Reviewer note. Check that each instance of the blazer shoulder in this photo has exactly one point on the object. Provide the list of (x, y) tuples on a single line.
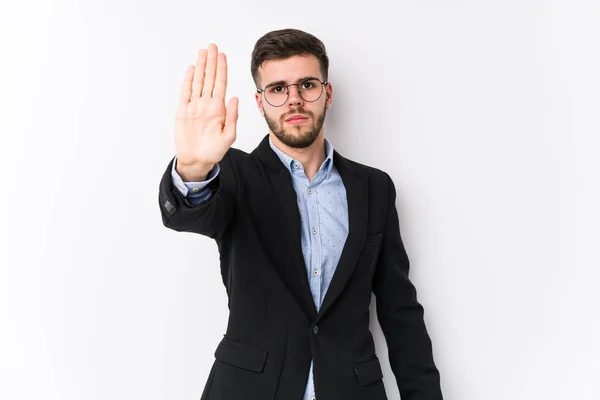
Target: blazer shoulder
[(234, 161), (236, 156), (378, 178)]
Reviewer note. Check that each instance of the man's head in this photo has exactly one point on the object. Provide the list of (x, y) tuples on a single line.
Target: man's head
[(292, 57)]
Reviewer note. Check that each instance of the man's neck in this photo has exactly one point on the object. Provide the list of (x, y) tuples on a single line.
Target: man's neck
[(311, 157)]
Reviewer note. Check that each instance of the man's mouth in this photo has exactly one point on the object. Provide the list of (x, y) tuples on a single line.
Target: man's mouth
[(296, 118)]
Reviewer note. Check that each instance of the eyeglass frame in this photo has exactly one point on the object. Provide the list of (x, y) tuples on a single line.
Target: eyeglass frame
[(287, 88)]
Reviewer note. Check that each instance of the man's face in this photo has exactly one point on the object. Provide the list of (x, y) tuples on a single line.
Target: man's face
[(299, 133)]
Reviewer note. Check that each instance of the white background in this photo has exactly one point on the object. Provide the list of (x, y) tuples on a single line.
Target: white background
[(485, 114)]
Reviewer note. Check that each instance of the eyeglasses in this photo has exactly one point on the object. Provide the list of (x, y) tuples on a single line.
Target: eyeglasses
[(309, 89)]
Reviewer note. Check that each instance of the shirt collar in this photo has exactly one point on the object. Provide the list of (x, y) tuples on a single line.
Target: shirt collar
[(289, 161)]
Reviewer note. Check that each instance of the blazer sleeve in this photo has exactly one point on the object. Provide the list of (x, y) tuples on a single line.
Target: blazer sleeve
[(401, 316), (211, 217)]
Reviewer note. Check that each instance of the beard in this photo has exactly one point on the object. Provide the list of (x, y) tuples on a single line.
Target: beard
[(300, 136)]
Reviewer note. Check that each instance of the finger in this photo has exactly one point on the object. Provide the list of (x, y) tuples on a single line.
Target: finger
[(198, 82), (210, 70), (186, 88), (221, 80), (231, 117)]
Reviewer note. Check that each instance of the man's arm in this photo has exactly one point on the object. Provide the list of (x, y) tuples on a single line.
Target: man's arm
[(205, 129), (401, 316)]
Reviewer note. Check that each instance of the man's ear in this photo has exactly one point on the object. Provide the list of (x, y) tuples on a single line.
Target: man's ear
[(328, 95), (259, 103)]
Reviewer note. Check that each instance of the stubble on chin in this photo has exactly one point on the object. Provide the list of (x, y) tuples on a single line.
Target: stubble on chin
[(296, 137)]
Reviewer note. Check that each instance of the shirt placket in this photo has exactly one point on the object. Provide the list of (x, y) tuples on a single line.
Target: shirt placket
[(315, 244)]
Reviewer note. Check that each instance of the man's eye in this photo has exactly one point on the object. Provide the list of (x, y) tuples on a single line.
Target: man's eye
[(276, 89), (307, 85)]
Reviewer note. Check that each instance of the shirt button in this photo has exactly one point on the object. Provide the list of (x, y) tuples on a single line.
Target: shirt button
[(309, 191), (315, 329), (316, 272), (195, 189), (296, 166), (314, 230)]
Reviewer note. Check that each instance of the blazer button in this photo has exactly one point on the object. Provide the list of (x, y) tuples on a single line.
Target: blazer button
[(315, 329)]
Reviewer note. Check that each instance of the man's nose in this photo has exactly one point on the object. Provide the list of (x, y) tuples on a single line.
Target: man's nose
[(294, 97)]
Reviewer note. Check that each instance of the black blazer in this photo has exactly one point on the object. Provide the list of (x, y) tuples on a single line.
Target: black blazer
[(273, 328)]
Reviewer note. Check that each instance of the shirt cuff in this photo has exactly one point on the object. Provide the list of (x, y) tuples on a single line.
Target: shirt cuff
[(192, 187)]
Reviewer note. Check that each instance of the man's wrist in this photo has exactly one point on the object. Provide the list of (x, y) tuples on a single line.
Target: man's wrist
[(194, 173)]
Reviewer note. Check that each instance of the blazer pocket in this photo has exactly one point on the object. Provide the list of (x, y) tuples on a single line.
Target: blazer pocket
[(241, 355), (368, 371)]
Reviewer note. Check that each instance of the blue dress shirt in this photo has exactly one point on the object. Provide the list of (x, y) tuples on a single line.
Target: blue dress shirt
[(323, 218)]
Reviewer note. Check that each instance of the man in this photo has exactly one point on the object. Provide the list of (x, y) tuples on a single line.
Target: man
[(304, 234)]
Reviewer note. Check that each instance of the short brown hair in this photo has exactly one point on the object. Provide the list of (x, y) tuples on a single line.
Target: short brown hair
[(286, 43)]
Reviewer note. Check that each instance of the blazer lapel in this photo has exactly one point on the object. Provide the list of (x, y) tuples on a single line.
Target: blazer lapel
[(294, 273), (288, 221), (357, 193)]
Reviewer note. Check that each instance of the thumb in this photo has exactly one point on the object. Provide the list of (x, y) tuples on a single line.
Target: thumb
[(231, 117)]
